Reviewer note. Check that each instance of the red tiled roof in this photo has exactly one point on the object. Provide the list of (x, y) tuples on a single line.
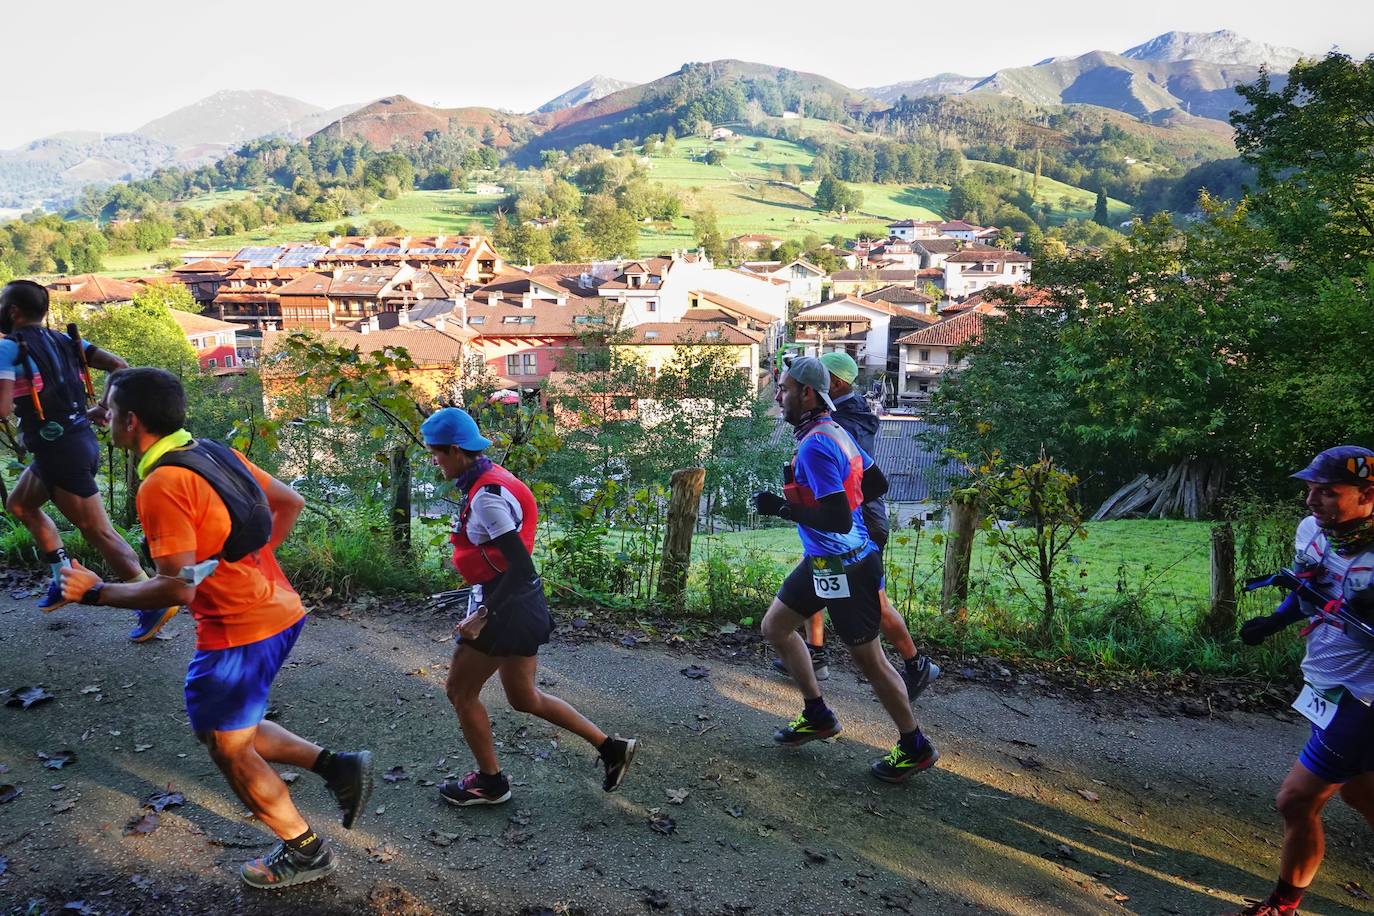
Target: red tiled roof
[(965, 327), (886, 308), (975, 254), (94, 290), (203, 266), (191, 323), (310, 284), (667, 333), (733, 305)]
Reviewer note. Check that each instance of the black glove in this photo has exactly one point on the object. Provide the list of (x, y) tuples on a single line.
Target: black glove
[(766, 503), (1257, 629)]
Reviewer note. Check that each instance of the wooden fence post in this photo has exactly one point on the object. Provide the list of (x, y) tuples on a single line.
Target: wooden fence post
[(963, 521), (1221, 615), (400, 497), (677, 537)]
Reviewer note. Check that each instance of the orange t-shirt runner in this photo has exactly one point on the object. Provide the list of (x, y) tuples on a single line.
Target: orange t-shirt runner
[(241, 602)]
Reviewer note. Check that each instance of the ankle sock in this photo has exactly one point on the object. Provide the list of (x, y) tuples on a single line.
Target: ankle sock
[(326, 765), (816, 710), (307, 845), (1286, 897), (56, 560), (913, 743), (816, 650), (912, 663), (604, 748), (495, 780)]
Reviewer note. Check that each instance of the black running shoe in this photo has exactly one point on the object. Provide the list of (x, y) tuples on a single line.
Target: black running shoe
[(351, 784), (919, 676), (801, 730), (617, 760), (476, 789), (899, 766), (283, 868), (820, 663)]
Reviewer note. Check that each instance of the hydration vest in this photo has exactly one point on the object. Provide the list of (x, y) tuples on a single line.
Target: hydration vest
[(477, 563), (54, 368), (250, 518), (802, 495)]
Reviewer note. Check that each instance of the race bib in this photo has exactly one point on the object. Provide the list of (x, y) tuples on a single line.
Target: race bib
[(828, 577), (1319, 706)]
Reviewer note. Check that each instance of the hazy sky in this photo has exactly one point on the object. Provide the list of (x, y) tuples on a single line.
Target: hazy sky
[(115, 66)]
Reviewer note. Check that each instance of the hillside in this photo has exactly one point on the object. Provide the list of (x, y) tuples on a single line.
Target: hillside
[(598, 87), (940, 84), (232, 117), (1143, 88), (1220, 47), (395, 118)]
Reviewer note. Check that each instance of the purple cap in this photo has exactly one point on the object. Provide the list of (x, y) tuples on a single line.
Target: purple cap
[(1341, 464)]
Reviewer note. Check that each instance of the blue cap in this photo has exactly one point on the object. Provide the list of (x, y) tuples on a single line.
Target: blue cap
[(451, 426), (1342, 464)]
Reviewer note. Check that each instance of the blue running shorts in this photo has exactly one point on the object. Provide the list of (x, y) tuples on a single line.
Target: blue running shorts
[(226, 689), (1345, 748)]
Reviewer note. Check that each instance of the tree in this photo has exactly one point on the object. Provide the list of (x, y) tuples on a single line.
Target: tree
[(611, 231), (144, 333), (1100, 209), (707, 233), (715, 157), (1310, 142), (172, 295), (833, 195)]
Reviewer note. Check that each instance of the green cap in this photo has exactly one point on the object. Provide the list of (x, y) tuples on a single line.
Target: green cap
[(841, 365)]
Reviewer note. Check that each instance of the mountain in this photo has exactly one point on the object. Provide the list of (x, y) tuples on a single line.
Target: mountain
[(1220, 47), (595, 88), (940, 84), (232, 117), (1150, 89), (394, 119)]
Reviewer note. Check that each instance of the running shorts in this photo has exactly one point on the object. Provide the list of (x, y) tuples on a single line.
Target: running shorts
[(226, 689), (855, 618), (1345, 748)]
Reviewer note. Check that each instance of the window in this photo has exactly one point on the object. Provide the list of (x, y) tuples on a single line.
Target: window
[(650, 335), (228, 360), (211, 363), (522, 364), (589, 319), (712, 335), (477, 319), (651, 305), (518, 319), (925, 356), (531, 362), (513, 364)]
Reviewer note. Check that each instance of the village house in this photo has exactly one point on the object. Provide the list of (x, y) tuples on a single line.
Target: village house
[(926, 355), (909, 230), (215, 341), (656, 344), (93, 291), (865, 329), (317, 300), (894, 253), (753, 241), (918, 476), (853, 282), (958, 229), (978, 267), (704, 305), (904, 296), (805, 281), (934, 252)]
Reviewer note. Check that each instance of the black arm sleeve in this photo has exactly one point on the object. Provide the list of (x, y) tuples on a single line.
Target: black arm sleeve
[(874, 483), (519, 569), (831, 514)]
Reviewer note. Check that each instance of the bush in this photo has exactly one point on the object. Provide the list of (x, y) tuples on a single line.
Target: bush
[(349, 552), (734, 585)]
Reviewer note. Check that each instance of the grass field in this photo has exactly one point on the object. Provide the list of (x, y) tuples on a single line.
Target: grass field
[(744, 190)]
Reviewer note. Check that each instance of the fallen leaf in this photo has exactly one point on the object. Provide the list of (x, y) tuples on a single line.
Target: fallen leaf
[(628, 641), (90, 688), (656, 899), (1066, 851), (661, 823), (765, 831), (520, 818), (381, 809), (143, 824), (159, 801), (1089, 795), (9, 793), (439, 838), (142, 882), (515, 836), (1031, 763), (677, 796), (64, 804), (24, 697), (289, 777), (735, 810), (57, 761), (1353, 889), (816, 858), (695, 672), (381, 854), (395, 774), (80, 906), (727, 628)]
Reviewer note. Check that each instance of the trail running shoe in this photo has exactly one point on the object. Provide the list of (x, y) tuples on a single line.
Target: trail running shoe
[(283, 868), (351, 784), (53, 599), (919, 676), (801, 730), (617, 761), (899, 766), (820, 663), (149, 622), (476, 789), (1265, 908)]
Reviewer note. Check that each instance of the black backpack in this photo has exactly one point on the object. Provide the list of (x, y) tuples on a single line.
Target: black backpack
[(59, 361), (250, 519)]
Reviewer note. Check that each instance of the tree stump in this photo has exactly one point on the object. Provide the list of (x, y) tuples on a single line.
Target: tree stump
[(1221, 615), (963, 521), (687, 485)]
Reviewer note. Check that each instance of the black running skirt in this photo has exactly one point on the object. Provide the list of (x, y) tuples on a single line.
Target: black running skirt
[(519, 626)]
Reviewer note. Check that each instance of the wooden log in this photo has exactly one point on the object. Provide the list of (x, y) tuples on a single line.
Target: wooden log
[(1221, 615), (963, 522), (1143, 497), (687, 485), (1166, 491), (1122, 493)]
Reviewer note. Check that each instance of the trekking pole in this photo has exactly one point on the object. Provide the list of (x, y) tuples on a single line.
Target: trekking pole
[(75, 336)]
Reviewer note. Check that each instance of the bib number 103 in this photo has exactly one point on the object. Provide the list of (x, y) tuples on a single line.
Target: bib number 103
[(828, 578)]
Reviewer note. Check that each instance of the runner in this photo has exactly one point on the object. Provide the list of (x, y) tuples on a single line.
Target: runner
[(854, 417), (45, 380), (508, 617), (213, 521), (1336, 540), (825, 487)]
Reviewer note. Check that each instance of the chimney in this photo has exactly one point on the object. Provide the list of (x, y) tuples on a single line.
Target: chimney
[(562, 299), (526, 300), (403, 315), (440, 324), (364, 327), (374, 323), (493, 298)]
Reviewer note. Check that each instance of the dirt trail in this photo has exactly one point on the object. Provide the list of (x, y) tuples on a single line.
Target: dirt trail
[(1040, 805)]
